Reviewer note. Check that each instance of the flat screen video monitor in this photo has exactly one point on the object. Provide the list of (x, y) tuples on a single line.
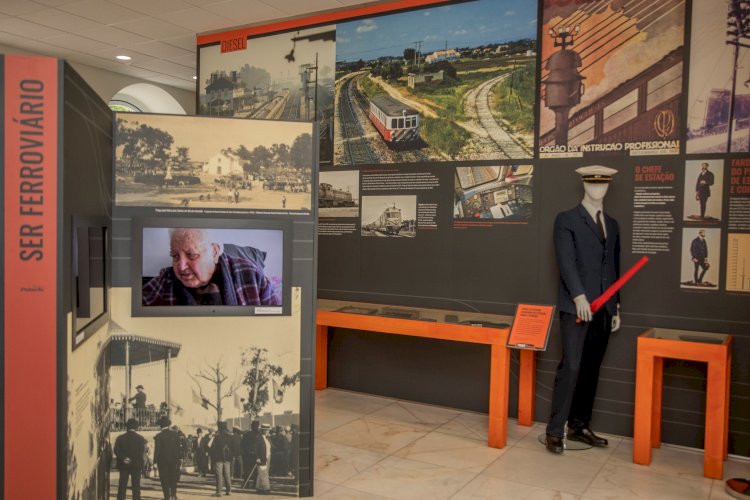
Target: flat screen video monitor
[(90, 277), (210, 267)]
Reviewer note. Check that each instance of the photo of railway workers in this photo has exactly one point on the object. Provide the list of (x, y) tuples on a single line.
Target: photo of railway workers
[(338, 194), (611, 78), (701, 250), (389, 216), (212, 163), (501, 192), (285, 76), (703, 191), (461, 91)]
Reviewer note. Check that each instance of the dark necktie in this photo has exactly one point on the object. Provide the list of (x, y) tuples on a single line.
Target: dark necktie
[(600, 225)]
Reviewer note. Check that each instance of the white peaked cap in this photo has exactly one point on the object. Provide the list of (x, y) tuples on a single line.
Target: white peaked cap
[(596, 173)]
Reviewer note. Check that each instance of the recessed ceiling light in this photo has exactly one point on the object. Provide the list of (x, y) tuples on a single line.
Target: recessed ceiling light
[(195, 77), (123, 58)]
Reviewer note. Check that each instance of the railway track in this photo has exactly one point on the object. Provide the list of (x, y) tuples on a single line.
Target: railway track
[(355, 145), (479, 102), (291, 108)]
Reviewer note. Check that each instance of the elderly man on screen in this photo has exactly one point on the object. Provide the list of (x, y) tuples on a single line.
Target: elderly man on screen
[(204, 272)]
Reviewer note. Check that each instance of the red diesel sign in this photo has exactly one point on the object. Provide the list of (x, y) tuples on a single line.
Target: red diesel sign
[(234, 44)]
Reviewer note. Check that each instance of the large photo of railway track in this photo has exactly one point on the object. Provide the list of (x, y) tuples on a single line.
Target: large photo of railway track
[(453, 82), (611, 79), (287, 76)]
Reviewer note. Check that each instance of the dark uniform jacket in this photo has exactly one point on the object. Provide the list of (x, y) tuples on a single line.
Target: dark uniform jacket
[(222, 448), (699, 249), (130, 449), (587, 265), (167, 447), (704, 190)]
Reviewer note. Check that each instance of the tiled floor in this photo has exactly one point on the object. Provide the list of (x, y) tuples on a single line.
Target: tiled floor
[(369, 447)]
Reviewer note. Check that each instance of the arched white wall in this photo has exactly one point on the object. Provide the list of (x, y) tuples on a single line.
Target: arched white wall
[(149, 99)]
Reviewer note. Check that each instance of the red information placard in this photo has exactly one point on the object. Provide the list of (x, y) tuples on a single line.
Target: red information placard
[(531, 326)]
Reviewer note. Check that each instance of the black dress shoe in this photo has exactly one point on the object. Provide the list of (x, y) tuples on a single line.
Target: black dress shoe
[(554, 444), (587, 436)]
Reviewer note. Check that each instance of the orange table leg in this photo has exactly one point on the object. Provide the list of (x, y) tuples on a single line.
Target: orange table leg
[(321, 357), (499, 379), (726, 400), (526, 387), (713, 458), (658, 390), (644, 400)]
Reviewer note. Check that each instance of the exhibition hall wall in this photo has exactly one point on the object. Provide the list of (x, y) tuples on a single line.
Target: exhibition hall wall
[(449, 137)]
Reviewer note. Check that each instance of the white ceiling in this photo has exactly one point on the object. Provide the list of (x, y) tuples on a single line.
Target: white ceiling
[(158, 34)]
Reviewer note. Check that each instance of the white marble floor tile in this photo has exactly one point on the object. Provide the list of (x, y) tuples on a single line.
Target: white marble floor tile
[(467, 424), (543, 469), (320, 487), (493, 488), (373, 436), (404, 479), (344, 493), (328, 419), (517, 432), (424, 417), (335, 463), (619, 482), (337, 399), (451, 451), (666, 460)]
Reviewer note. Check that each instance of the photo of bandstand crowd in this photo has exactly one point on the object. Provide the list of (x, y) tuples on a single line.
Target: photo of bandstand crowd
[(156, 454)]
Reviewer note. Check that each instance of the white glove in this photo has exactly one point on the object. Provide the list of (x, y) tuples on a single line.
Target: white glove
[(583, 308), (616, 320)]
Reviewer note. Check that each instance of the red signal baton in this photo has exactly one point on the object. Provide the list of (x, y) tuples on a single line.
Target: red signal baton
[(610, 292)]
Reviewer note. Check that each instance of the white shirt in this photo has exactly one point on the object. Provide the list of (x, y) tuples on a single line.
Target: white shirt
[(592, 210)]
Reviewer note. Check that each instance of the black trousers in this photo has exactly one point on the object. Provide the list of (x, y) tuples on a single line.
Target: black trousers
[(702, 200), (122, 486), (703, 267), (583, 348), (169, 474)]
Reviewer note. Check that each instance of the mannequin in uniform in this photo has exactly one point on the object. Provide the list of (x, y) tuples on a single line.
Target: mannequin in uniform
[(587, 245)]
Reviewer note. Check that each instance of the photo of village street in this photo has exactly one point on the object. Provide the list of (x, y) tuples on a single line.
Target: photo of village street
[(212, 163), (423, 86)]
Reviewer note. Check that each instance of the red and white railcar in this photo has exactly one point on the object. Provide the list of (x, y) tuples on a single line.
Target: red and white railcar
[(396, 122)]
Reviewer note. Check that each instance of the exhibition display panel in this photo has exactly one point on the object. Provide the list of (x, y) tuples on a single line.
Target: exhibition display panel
[(158, 290), (450, 135), (455, 326), (715, 350)]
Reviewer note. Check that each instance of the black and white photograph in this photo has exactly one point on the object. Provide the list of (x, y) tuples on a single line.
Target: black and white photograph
[(200, 266), (701, 258), (501, 192), (209, 163), (704, 181), (430, 85), (205, 406), (719, 93), (389, 216), (286, 76), (338, 194)]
